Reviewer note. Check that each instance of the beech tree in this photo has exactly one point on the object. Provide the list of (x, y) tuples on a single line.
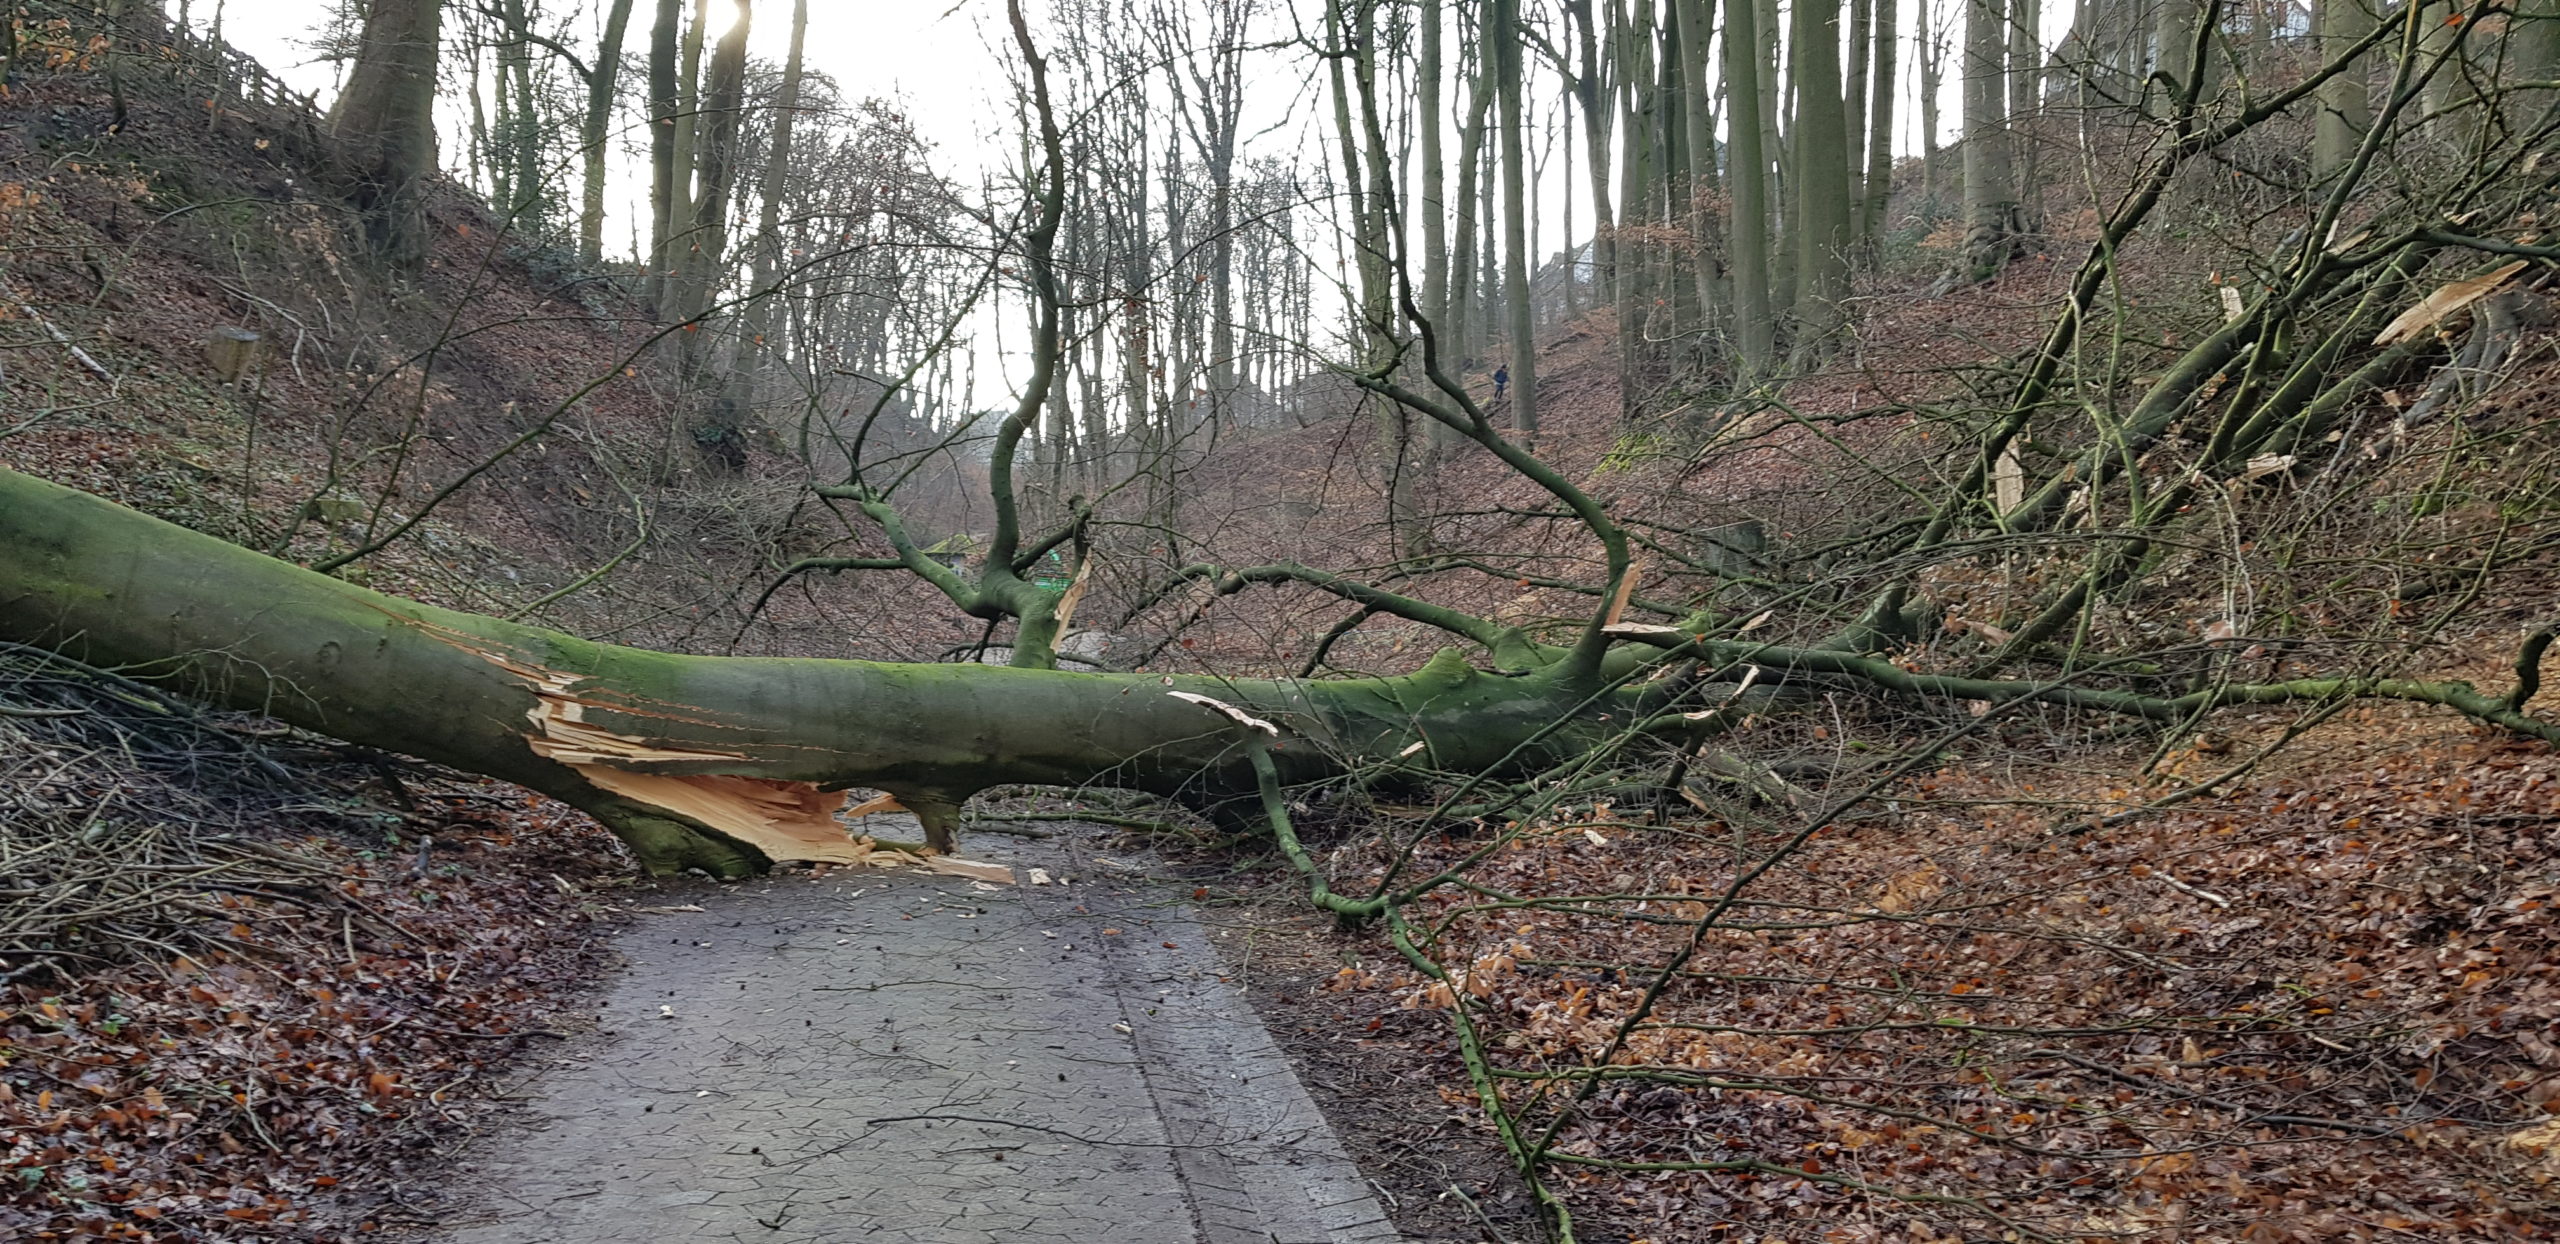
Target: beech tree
[(383, 125)]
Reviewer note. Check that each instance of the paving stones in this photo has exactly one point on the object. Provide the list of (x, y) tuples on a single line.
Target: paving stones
[(882, 1056)]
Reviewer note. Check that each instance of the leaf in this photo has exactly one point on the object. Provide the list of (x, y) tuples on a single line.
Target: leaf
[(2447, 299)]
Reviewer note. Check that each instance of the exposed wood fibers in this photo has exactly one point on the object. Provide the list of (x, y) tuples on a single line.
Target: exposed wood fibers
[(787, 821)]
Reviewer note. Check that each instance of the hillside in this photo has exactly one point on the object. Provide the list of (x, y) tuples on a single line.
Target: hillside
[(1974, 781)]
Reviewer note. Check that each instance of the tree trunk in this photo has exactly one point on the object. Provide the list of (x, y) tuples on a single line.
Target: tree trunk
[(1853, 98), (1697, 26), (1933, 80), (596, 128), (1505, 32), (1462, 295), (1435, 179), (1879, 176), (2026, 104), (687, 115), (1749, 222), (717, 763), (1822, 178), (715, 174), (383, 125), (664, 34), (1639, 194), (1774, 137), (1590, 97), (524, 131), (1990, 189), (752, 347), (2346, 109), (2176, 46)]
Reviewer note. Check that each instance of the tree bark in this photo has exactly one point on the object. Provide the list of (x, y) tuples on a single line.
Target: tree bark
[(1591, 98), (1933, 76), (715, 173), (1435, 178), (1823, 208), (664, 35), (1990, 187), (723, 764), (383, 125), (1853, 98), (1749, 225), (1505, 40), (596, 128), (1879, 176), (687, 118), (2346, 108), (1697, 25), (752, 347), (2026, 104), (523, 139)]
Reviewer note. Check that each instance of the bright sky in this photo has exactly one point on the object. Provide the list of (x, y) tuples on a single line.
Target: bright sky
[(943, 58), (928, 54), (945, 62)]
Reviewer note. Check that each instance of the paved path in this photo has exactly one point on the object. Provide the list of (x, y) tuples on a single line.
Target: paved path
[(896, 1057)]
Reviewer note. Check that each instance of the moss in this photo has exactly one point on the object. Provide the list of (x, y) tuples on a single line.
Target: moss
[(121, 588)]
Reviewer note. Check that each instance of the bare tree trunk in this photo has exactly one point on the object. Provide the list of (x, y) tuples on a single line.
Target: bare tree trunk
[(1462, 299), (1879, 178), (2346, 109), (663, 116), (2176, 42), (682, 188), (1639, 190), (1505, 32), (2026, 104), (715, 173), (1823, 207), (752, 346), (524, 134), (1990, 189), (1697, 26), (1775, 137), (596, 129), (719, 433), (1748, 224), (1933, 80), (1590, 95), (488, 173), (1435, 181), (383, 125), (1853, 97)]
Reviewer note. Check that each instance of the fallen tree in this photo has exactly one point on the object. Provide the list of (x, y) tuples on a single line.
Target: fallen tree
[(716, 763), (726, 764)]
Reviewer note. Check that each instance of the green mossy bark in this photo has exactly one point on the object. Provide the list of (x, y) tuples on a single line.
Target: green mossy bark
[(115, 587)]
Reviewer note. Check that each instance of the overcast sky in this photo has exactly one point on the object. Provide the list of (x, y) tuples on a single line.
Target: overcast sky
[(943, 62)]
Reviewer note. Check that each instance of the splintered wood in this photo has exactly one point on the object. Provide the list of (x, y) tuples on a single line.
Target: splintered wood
[(785, 820), (788, 821)]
